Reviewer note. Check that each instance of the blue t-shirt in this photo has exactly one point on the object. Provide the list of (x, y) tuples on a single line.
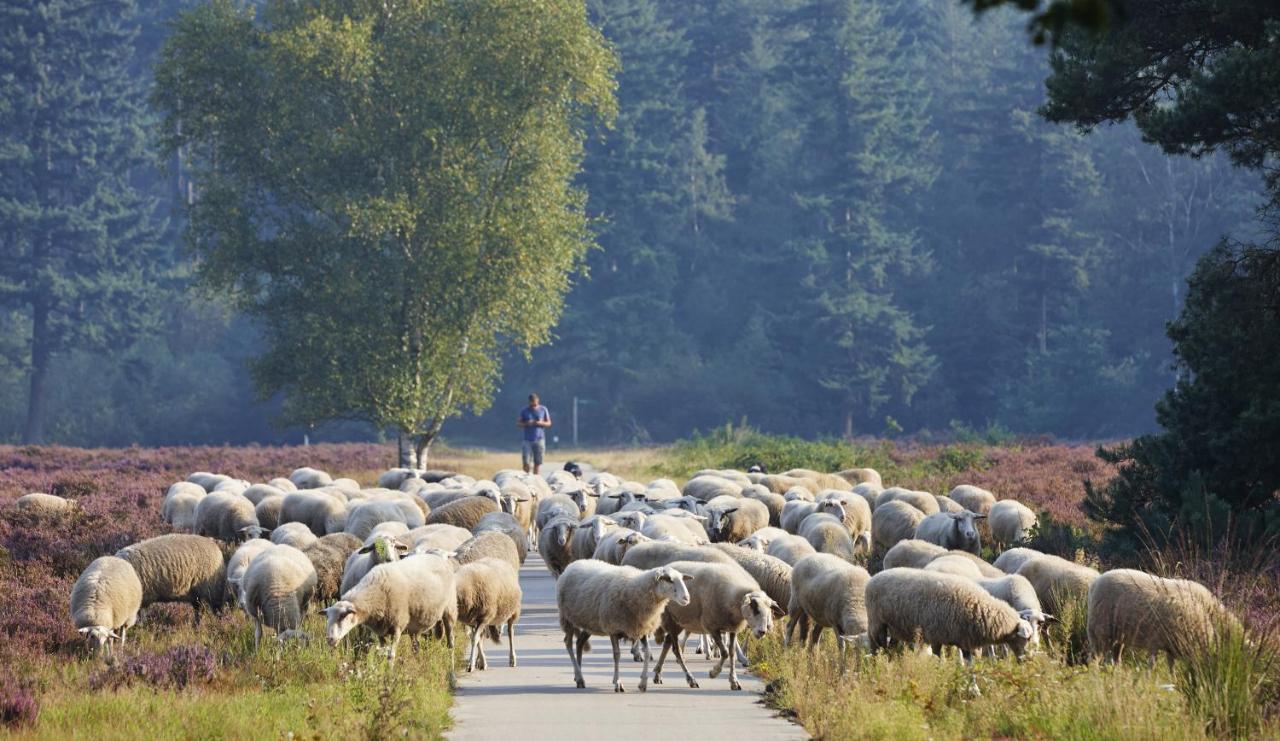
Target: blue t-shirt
[(534, 415)]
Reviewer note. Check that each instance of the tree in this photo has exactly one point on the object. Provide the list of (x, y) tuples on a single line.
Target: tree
[(387, 190), (78, 247)]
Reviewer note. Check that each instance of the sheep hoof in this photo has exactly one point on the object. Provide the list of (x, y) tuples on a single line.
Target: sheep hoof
[(582, 685), (713, 673), (619, 688), (692, 682), (735, 685), (644, 687), (657, 679)]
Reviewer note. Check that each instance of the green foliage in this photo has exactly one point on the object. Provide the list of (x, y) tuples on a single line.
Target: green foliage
[(1233, 684), (742, 446), (389, 194)]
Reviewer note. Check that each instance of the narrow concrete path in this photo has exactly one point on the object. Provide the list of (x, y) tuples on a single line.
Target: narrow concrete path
[(537, 700)]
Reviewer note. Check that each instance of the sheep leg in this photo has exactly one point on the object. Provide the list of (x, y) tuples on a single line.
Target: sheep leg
[(395, 641), (483, 661), (257, 634), (718, 642), (511, 642), (447, 625), (742, 654), (635, 651), (662, 658), (733, 672), (644, 670), (569, 636), (471, 659), (688, 676), (614, 641), (815, 636)]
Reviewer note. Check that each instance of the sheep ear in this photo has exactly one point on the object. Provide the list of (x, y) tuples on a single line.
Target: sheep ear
[(728, 511), (84, 630), (687, 577), (366, 549), (777, 610), (1049, 618), (979, 517), (115, 635), (700, 518), (402, 547)]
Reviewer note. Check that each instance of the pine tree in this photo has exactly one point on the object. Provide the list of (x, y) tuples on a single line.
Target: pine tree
[(77, 239)]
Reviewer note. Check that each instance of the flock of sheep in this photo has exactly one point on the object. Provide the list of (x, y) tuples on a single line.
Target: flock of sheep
[(729, 551)]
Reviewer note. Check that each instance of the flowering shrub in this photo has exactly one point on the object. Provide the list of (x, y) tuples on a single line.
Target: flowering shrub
[(18, 707), (178, 668)]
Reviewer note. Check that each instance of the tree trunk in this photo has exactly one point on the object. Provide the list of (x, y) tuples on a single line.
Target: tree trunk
[(34, 431), (848, 424), (422, 447), (408, 451)]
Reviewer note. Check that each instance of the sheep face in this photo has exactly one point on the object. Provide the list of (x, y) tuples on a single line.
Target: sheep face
[(385, 549), (601, 526), (97, 639), (633, 519), (759, 611), (491, 494), (340, 619), (832, 507), (253, 531), (718, 523), (633, 539), (755, 543), (579, 497), (1018, 639), (671, 584), (862, 542), (965, 530), (564, 531), (1036, 619)]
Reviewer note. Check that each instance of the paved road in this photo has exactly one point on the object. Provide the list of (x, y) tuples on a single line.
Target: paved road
[(537, 700)]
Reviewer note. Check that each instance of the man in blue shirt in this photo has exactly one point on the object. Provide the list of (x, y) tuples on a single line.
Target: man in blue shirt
[(534, 419)]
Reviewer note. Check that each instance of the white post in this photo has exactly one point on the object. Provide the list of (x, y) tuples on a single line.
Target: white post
[(575, 421)]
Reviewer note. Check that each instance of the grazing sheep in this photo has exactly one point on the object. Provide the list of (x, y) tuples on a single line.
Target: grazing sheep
[(796, 511), (465, 512), (240, 560), (921, 500), (947, 504), (912, 553), (206, 480), (942, 610), (105, 602), (227, 517), (283, 484), (666, 526), (973, 498), (184, 487), (277, 589), (411, 595), (179, 509), (179, 568), (44, 504), (553, 543), (361, 561), (951, 530), (827, 534), (596, 598), (231, 486), (503, 522), (268, 512), (310, 478), (1021, 596), (295, 534), (731, 523), (772, 574), (258, 492), (328, 555), (869, 493), (725, 600), (394, 477), (364, 516), (1058, 581), (588, 534), (1135, 610), (827, 591), (318, 510), (861, 476), (1011, 522), (614, 545), (893, 521), (1011, 560), (951, 564), (789, 548), (489, 545), (489, 596), (857, 513)]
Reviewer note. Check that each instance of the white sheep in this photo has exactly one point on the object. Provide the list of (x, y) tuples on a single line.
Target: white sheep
[(789, 548), (258, 492), (912, 553), (861, 476), (1131, 609), (921, 500), (614, 545), (489, 594), (44, 504), (951, 530), (1012, 559), (179, 568), (947, 504), (364, 516), (283, 484), (725, 599), (827, 591), (1021, 596), (1011, 522), (488, 544), (554, 506), (760, 539), (1058, 581), (295, 534), (465, 512), (973, 498), (309, 478), (554, 539), (105, 602), (730, 522), (321, 511), (596, 598), (827, 534), (276, 590), (706, 488), (365, 558), (667, 525), (179, 508), (951, 564), (444, 537), (228, 517), (588, 534), (893, 521), (941, 610), (268, 512), (503, 522), (239, 562)]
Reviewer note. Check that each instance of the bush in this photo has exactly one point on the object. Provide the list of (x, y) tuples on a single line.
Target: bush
[(18, 706), (177, 668), (742, 446)]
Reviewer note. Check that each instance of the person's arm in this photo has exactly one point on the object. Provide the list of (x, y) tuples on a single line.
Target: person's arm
[(520, 421), (546, 422)]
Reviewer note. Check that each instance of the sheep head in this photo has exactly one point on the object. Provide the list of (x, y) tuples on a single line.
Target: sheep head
[(759, 611), (340, 619), (671, 584), (98, 638), (965, 529)]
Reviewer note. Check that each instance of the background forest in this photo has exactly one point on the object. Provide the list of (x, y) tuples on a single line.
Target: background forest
[(827, 217)]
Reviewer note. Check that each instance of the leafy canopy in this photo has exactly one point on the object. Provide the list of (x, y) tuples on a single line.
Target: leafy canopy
[(387, 188)]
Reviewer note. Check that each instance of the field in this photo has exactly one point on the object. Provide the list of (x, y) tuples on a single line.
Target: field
[(207, 681)]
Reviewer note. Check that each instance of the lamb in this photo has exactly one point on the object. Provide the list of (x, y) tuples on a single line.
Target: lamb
[(179, 568), (1011, 522), (614, 545), (277, 589), (240, 560), (942, 610), (44, 504), (790, 548), (179, 509), (310, 478), (268, 512), (502, 522), (729, 524), (318, 510), (105, 602), (488, 594), (1058, 581), (1011, 560), (328, 555), (364, 559), (912, 553), (953, 531), (1135, 610), (465, 512), (489, 545), (827, 591), (553, 543), (893, 521), (364, 516), (949, 564), (973, 499), (921, 500), (588, 534), (596, 598), (827, 534), (861, 476), (295, 534), (724, 600), (411, 596)]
